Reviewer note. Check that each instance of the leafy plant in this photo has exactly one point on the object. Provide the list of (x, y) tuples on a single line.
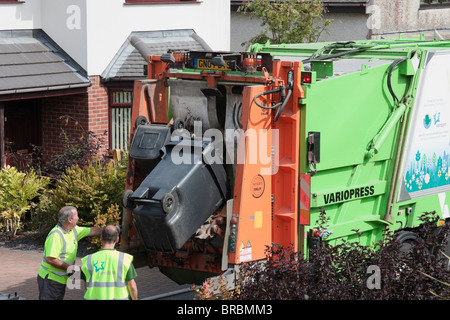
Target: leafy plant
[(213, 290), (446, 294), (111, 217), (347, 271), (287, 21), (80, 148), (92, 190), (17, 190)]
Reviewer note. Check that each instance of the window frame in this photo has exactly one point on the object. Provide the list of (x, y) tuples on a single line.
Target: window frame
[(427, 4), (118, 105), (139, 2), (113, 104), (11, 1)]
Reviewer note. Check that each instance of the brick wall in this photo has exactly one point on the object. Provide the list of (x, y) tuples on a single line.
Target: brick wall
[(54, 111), (75, 114), (98, 116)]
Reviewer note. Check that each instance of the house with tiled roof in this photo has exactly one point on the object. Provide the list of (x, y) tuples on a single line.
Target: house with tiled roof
[(74, 59)]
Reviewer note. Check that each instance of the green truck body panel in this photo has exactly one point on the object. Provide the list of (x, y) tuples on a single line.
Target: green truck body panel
[(382, 109)]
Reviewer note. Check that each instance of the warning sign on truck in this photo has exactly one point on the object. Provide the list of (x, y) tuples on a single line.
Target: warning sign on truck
[(245, 252)]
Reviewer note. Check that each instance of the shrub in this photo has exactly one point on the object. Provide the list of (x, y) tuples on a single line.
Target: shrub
[(92, 190), (80, 151), (80, 147), (17, 192), (348, 271), (111, 217)]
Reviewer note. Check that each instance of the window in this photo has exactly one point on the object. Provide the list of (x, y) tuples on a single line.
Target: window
[(120, 118), (427, 4), (159, 1)]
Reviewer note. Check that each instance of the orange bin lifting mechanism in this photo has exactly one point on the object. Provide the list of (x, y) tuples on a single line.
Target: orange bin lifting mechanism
[(265, 199)]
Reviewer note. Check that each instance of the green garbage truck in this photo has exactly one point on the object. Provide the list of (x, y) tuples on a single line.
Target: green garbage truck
[(376, 125), (358, 129)]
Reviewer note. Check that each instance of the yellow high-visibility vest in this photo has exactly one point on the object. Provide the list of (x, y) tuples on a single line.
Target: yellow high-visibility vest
[(63, 245), (105, 273)]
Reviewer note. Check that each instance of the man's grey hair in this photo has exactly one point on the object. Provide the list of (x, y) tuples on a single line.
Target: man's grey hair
[(65, 213)]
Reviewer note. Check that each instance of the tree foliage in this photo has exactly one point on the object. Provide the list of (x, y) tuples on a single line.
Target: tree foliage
[(287, 21)]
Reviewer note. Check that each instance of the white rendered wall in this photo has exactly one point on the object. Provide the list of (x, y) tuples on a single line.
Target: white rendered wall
[(25, 15), (108, 29), (92, 31), (65, 22)]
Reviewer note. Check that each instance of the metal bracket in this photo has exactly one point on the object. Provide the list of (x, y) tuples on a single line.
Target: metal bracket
[(313, 150)]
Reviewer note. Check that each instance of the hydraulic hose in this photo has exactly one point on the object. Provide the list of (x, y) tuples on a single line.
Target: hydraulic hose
[(391, 69), (265, 93), (389, 83), (281, 108), (354, 48), (284, 98)]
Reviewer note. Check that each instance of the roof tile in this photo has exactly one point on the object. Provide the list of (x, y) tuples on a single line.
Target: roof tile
[(28, 64)]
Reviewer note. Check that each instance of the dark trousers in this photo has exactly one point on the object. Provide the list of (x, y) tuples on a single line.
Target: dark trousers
[(49, 289)]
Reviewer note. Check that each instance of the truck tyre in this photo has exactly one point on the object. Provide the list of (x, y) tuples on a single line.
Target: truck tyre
[(447, 249), (443, 252), (409, 240)]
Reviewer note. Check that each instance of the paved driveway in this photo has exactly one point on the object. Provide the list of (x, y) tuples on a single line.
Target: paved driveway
[(18, 270)]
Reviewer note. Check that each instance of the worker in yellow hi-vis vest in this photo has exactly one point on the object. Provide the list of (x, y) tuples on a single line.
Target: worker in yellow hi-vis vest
[(60, 254), (109, 274)]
